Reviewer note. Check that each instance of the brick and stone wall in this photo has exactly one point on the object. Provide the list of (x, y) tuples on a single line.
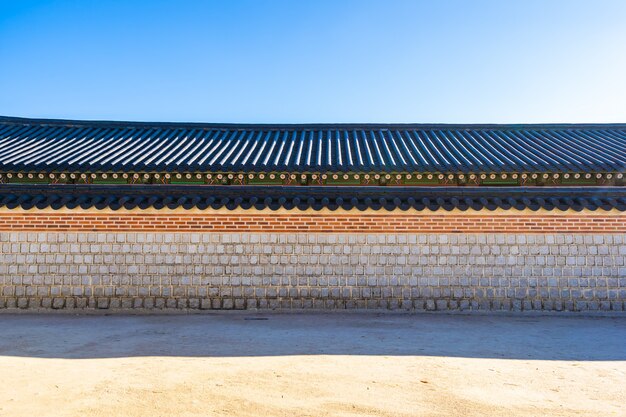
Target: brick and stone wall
[(566, 266)]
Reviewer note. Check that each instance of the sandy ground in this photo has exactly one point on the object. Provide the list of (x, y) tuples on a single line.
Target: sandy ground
[(312, 365)]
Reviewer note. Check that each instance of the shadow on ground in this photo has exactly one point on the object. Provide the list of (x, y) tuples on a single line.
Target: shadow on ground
[(230, 335)]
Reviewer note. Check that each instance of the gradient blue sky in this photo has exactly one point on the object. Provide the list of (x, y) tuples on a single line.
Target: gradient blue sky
[(257, 61)]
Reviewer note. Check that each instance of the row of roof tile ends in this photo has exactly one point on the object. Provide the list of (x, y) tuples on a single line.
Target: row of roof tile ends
[(35, 145), (316, 198)]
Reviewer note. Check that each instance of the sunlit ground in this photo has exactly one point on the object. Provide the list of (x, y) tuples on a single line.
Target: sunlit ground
[(312, 365)]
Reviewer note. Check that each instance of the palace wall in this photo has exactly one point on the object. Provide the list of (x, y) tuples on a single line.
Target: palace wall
[(262, 259)]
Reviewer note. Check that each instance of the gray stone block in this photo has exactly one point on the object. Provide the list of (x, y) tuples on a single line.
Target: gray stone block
[(22, 302), (58, 303)]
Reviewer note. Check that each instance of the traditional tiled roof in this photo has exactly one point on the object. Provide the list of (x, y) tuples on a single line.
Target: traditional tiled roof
[(32, 145), (360, 198)]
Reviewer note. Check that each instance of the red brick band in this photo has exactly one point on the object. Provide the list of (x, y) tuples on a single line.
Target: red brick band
[(310, 222)]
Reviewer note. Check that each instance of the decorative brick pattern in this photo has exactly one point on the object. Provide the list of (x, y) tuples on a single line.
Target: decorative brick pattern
[(318, 223), (147, 270)]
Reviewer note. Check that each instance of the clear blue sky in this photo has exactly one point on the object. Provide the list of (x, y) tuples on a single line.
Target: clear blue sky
[(295, 61)]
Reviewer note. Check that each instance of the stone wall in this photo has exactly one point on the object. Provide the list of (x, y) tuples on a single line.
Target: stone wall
[(437, 271)]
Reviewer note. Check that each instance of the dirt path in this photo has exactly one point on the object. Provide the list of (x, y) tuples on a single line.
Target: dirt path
[(312, 365)]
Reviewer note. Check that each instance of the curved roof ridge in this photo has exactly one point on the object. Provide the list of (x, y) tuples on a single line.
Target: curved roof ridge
[(283, 126)]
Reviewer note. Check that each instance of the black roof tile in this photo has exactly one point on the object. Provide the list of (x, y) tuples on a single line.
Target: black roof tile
[(93, 146)]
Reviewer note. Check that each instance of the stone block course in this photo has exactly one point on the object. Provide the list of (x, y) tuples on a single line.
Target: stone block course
[(434, 272)]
